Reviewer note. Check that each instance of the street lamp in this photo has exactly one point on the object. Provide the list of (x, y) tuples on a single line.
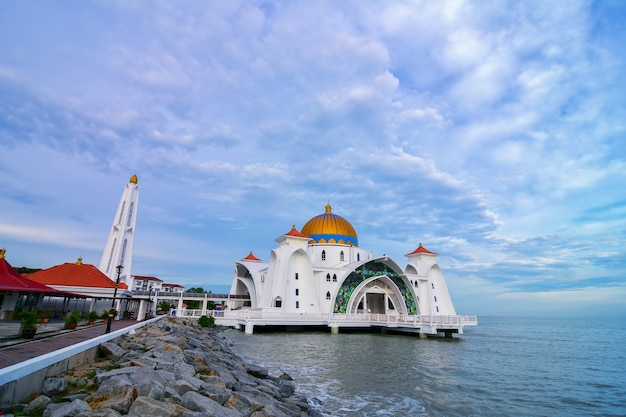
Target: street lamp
[(112, 311)]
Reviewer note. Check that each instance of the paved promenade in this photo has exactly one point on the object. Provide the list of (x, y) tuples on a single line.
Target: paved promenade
[(49, 337)]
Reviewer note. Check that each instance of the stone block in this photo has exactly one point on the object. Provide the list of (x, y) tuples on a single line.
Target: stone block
[(197, 402), (144, 406)]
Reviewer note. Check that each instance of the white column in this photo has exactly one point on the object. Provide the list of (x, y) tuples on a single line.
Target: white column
[(141, 314), (204, 304), (249, 327), (118, 307)]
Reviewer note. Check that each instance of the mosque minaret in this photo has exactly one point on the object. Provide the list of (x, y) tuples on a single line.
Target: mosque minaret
[(119, 246)]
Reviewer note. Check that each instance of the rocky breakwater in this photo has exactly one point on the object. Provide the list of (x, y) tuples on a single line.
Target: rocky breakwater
[(169, 368)]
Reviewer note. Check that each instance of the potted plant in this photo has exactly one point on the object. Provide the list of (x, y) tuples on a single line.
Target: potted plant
[(71, 321), (29, 323), (44, 315), (105, 314), (92, 316)]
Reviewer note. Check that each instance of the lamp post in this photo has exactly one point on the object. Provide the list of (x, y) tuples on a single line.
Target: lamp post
[(112, 311)]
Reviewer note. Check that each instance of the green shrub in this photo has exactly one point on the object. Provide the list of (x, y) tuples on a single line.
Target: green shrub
[(206, 321)]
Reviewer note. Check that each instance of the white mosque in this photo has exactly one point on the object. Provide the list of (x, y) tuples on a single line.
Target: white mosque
[(319, 276)]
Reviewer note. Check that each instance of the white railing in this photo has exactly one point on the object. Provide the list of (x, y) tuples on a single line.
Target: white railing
[(195, 313), (374, 318)]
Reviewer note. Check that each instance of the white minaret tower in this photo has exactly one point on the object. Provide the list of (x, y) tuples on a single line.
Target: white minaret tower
[(119, 247)]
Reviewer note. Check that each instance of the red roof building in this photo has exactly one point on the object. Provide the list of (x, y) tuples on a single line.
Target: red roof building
[(79, 278), (11, 281), (146, 283), (173, 288), (21, 293)]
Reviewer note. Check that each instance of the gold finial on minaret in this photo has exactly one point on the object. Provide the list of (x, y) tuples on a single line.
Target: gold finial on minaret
[(2, 252), (79, 261), (133, 179), (328, 208)]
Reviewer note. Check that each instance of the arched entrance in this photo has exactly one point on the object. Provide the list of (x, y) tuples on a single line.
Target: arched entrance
[(379, 284), (377, 295), (244, 286)]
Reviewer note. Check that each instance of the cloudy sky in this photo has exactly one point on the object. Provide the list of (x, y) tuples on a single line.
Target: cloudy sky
[(491, 131)]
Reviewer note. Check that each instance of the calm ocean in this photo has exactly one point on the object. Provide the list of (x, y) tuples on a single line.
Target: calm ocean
[(504, 367)]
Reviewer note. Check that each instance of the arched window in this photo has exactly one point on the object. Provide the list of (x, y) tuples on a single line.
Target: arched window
[(323, 255), (278, 302), (130, 213), (298, 292), (334, 278), (297, 304), (119, 221), (328, 277), (328, 295), (435, 298), (433, 285), (416, 284), (296, 275), (341, 256), (123, 252), (111, 255), (358, 257)]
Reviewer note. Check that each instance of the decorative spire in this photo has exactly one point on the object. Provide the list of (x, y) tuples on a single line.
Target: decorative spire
[(421, 249), (251, 257), (2, 252), (328, 208), (79, 261), (295, 232), (133, 179)]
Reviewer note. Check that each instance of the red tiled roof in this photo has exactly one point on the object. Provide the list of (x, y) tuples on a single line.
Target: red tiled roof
[(421, 249), (145, 278), (75, 275), (251, 257), (10, 280), (294, 232), (172, 285)]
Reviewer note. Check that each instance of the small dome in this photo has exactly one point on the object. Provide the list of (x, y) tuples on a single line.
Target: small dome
[(330, 228), (133, 179), (251, 257), (421, 249)]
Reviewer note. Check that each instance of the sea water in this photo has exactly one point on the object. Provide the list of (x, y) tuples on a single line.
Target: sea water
[(504, 367)]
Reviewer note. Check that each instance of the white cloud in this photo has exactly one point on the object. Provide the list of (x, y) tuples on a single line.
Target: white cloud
[(489, 131)]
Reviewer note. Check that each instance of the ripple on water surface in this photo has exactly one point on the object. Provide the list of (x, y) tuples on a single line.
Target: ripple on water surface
[(504, 367)]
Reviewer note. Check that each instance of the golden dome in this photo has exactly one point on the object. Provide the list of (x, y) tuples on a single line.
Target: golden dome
[(330, 228), (133, 179)]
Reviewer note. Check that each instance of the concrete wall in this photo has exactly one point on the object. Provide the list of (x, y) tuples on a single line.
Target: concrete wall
[(21, 381)]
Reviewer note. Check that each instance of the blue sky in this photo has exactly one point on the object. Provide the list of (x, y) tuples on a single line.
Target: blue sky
[(491, 131)]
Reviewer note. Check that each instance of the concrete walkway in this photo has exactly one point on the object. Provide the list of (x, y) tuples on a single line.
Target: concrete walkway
[(50, 337)]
